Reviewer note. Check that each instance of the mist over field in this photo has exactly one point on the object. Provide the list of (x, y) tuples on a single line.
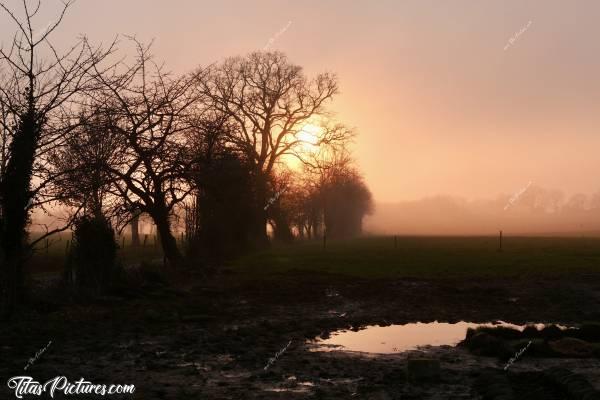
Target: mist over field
[(531, 210)]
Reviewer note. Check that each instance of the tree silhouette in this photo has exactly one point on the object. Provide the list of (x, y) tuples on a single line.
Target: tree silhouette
[(149, 111), (39, 89), (80, 166), (270, 100), (335, 185)]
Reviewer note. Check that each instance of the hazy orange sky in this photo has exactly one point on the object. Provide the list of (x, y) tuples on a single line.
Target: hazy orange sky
[(440, 105)]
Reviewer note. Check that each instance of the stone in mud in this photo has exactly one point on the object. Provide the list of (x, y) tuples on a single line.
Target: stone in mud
[(423, 369), (501, 332), (530, 331), (484, 344), (571, 347), (552, 332)]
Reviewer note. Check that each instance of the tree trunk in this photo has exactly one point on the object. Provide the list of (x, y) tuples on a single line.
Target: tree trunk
[(282, 231), (301, 231), (167, 240), (258, 230), (15, 195), (135, 231), (316, 228), (96, 206)]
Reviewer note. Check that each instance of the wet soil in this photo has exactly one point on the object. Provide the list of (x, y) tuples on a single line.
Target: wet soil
[(229, 338)]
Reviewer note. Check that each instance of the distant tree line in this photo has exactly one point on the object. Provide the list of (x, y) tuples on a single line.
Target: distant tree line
[(530, 210), (111, 139)]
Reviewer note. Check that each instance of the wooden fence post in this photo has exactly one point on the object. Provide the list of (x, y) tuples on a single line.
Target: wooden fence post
[(500, 248)]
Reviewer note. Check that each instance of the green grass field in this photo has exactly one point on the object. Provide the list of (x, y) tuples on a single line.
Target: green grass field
[(378, 257), (430, 257)]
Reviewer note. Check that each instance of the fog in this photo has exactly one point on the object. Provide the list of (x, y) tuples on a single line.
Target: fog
[(532, 210)]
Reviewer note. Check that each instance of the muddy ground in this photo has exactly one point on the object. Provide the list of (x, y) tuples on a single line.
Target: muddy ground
[(212, 338)]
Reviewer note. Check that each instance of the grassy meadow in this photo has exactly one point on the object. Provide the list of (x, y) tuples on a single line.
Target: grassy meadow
[(430, 257), (385, 256)]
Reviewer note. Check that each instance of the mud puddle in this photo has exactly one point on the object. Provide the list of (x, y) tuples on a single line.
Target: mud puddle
[(400, 338)]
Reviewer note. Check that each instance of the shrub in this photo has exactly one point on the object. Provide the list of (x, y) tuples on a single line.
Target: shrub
[(92, 262)]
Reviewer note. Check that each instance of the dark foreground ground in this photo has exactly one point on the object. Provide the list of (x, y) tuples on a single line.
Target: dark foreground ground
[(211, 338)]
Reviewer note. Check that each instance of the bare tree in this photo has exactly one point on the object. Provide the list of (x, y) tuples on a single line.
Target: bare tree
[(338, 191), (149, 110), (39, 91), (270, 100), (80, 166), (302, 206)]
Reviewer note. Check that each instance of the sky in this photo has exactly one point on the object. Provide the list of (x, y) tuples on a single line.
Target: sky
[(462, 98)]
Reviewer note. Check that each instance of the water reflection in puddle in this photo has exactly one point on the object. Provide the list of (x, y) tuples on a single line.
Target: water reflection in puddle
[(289, 390), (398, 338), (292, 385)]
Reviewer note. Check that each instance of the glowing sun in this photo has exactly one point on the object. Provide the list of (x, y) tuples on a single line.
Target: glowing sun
[(309, 137), (307, 143)]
